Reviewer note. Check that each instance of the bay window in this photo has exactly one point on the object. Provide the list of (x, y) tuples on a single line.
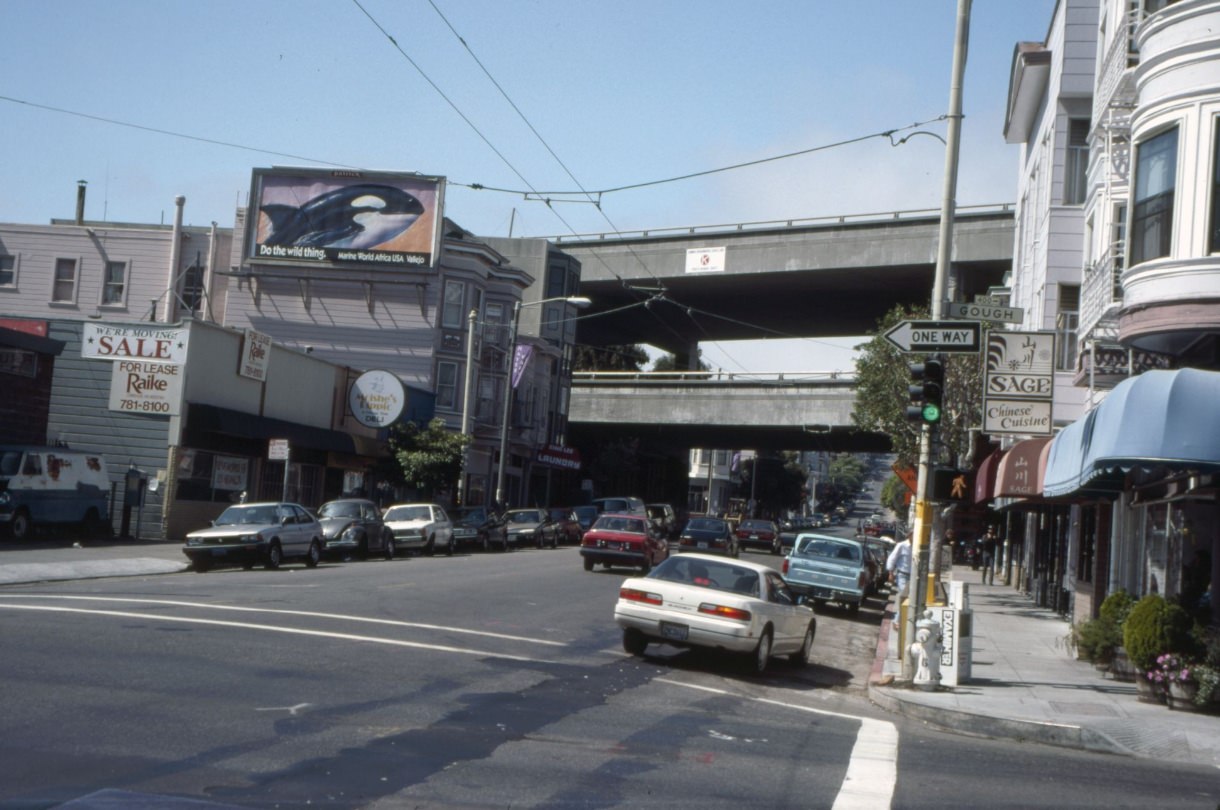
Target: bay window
[(1152, 204)]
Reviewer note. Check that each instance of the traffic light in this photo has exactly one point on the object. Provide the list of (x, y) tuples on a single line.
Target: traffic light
[(926, 391)]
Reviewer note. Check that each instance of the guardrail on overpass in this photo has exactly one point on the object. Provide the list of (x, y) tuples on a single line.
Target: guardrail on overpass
[(775, 410)]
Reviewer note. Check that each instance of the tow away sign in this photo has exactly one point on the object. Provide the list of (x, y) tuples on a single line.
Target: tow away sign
[(936, 336)]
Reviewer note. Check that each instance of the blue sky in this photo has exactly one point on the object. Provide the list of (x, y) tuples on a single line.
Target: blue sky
[(621, 93)]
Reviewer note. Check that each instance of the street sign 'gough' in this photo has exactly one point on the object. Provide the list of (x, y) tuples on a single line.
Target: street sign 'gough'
[(936, 336)]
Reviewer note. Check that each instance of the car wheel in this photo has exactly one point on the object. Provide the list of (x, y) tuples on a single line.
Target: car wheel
[(200, 566), (776, 548), (819, 605), (247, 566), (314, 555), (21, 525), (762, 653), (634, 642), (853, 608), (388, 547), (800, 658), (275, 557), (646, 566), (93, 524), (450, 547), (554, 541), (362, 548), (588, 563), (430, 546)]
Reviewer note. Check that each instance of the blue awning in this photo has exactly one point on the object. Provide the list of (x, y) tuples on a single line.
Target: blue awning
[(1160, 419)]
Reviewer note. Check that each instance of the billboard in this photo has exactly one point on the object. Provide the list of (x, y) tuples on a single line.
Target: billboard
[(372, 220)]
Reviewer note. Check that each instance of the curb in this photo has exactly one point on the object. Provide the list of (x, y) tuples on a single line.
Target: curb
[(27, 573)]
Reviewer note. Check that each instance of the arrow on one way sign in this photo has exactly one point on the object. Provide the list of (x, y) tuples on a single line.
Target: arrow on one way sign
[(936, 336)]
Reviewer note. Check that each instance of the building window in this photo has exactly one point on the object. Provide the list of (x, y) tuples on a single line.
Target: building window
[(1076, 168), (63, 287), (495, 318), (446, 385), (1066, 325), (1151, 6), (485, 410), (192, 289), (114, 285), (1214, 243), (8, 271), (455, 298), (1152, 206)]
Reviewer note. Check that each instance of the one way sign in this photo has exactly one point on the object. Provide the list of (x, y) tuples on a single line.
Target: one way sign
[(936, 336)]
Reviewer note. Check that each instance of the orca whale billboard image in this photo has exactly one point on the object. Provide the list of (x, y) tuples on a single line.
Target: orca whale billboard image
[(374, 220)]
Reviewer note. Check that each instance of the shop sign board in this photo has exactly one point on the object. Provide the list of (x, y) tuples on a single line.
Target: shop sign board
[(377, 398), (255, 354), (146, 388), (152, 344), (1020, 383)]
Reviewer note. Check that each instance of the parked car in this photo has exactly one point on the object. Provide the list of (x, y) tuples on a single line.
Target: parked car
[(567, 525), (52, 485), (531, 527), (352, 527), (709, 535), (664, 518), (251, 533), (759, 533), (620, 505), (479, 527), (586, 515), (627, 540), (420, 527), (829, 569), (696, 600)]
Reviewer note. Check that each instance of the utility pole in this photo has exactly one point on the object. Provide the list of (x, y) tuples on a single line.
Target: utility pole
[(923, 544)]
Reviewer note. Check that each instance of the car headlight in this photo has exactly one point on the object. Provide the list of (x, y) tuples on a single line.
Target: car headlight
[(249, 538), (5, 498)]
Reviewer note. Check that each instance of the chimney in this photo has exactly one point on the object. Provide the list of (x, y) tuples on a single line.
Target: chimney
[(80, 201)]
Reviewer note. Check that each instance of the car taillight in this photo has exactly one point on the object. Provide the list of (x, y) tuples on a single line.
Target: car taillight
[(724, 612), (636, 595), (860, 580), (784, 569)]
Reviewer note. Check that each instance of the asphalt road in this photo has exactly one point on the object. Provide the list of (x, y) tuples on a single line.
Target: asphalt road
[(486, 680)]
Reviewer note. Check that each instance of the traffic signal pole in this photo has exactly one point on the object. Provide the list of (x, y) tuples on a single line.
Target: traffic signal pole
[(923, 544)]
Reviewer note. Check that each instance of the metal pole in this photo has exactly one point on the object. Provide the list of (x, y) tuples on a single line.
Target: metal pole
[(929, 435), (464, 474), (508, 392), (287, 461)]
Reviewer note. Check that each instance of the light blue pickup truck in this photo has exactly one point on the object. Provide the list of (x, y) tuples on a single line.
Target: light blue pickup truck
[(828, 569)]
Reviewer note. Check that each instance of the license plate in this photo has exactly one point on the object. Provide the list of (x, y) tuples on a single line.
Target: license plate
[(753, 537), (677, 632), (703, 545), (219, 552)]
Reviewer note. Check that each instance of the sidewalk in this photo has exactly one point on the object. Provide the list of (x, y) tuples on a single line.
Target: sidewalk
[(57, 559), (1027, 685)]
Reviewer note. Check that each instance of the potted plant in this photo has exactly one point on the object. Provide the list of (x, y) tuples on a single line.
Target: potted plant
[(1114, 610), (1152, 628), (1174, 678)]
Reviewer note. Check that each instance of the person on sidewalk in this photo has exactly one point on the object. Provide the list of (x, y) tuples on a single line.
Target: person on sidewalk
[(898, 565), (987, 546)]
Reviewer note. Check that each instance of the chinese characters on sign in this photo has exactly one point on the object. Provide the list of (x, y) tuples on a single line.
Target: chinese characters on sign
[(1020, 383)]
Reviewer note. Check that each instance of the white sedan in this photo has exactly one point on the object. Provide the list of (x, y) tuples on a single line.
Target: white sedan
[(697, 600)]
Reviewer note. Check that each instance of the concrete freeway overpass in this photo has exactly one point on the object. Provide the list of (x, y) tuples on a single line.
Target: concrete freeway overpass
[(673, 412), (814, 278)]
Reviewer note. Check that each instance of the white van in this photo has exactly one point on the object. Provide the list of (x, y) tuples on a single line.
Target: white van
[(49, 485)]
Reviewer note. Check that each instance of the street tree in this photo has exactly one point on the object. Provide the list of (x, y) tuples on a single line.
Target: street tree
[(429, 458), (629, 357), (882, 379)]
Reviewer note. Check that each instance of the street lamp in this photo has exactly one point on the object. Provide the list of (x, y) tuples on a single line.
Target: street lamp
[(578, 301)]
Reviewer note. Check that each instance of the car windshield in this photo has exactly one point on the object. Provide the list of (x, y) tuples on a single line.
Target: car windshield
[(828, 549), (408, 513), (340, 509), (247, 515), (708, 574), (756, 525), (525, 516), (618, 523), (706, 525), (473, 515)]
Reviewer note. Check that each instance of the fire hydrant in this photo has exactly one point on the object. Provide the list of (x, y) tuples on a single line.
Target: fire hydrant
[(925, 650)]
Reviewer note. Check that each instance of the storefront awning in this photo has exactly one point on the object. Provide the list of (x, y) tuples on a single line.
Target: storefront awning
[(251, 426), (1022, 469), (984, 479), (1159, 420)]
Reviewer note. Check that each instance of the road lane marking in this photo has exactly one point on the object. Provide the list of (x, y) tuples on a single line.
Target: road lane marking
[(311, 614), (872, 770), (289, 630)]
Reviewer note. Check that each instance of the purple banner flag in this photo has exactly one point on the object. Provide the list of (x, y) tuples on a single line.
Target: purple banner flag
[(521, 359)]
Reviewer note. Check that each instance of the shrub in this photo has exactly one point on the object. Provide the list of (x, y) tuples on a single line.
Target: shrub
[(1116, 607), (1153, 627), (1097, 639)]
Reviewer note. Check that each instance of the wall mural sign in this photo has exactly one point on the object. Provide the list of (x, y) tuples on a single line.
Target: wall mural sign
[(1020, 383)]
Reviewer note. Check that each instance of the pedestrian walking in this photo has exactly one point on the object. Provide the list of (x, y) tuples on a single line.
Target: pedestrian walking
[(987, 547), (898, 565)]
